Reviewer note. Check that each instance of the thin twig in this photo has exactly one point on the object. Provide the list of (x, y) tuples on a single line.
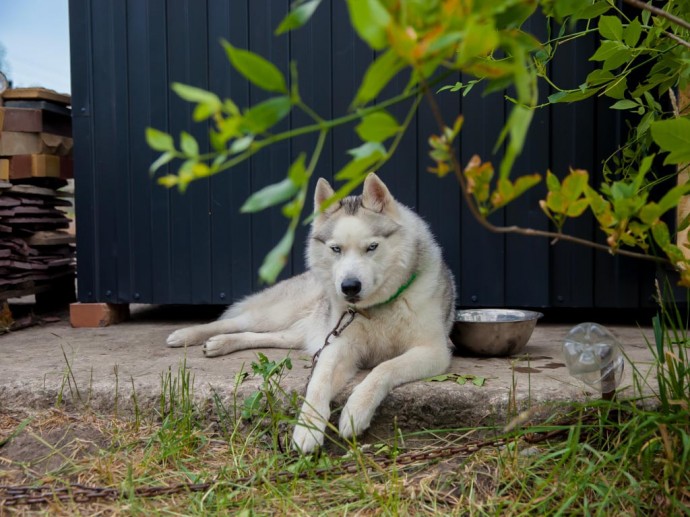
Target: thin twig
[(457, 169), (659, 12), (677, 39)]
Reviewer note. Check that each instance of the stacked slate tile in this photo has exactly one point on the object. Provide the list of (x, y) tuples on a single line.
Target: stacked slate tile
[(36, 250)]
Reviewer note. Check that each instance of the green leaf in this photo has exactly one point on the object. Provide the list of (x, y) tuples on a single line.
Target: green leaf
[(565, 8), (524, 183), (624, 104), (169, 180), (606, 50), (202, 112), (277, 258), (377, 127), (591, 11), (552, 182), (251, 405), (256, 69), (598, 76), (620, 57), (480, 39), (367, 149), (617, 89), (631, 34), (650, 213), (185, 175), (574, 184), (201, 170), (577, 208), (158, 140), (230, 107), (164, 158), (199, 95), (297, 171), (610, 27), (378, 75), (357, 168), (661, 234), (297, 17), (270, 196), (571, 96), (188, 144), (479, 381), (646, 165), (241, 144), (517, 125), (673, 197), (266, 114), (556, 202), (673, 135), (370, 19)]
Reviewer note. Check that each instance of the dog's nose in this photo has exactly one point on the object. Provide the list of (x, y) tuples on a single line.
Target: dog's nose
[(351, 287)]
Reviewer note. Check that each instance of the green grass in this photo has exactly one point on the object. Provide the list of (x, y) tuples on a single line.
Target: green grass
[(637, 464)]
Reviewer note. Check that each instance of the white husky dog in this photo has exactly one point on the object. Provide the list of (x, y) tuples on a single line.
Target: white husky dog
[(366, 253)]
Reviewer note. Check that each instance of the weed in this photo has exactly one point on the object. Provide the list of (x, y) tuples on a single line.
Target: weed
[(269, 407), (672, 353)]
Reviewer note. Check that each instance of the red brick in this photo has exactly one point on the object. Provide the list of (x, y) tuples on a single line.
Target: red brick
[(26, 120), (90, 315), (13, 143), (35, 165)]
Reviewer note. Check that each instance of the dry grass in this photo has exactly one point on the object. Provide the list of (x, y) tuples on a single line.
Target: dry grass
[(590, 469)]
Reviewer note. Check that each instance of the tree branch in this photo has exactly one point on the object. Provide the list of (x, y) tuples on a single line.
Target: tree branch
[(677, 39), (457, 169), (659, 12)]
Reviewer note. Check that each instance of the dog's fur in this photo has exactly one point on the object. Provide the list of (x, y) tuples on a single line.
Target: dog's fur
[(361, 251)]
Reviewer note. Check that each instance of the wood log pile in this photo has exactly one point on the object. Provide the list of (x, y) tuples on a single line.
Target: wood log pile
[(36, 251)]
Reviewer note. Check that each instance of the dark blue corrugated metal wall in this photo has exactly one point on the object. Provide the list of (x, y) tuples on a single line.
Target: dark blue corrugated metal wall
[(138, 242)]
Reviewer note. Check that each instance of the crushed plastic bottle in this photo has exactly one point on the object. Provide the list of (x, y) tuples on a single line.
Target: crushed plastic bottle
[(593, 355)]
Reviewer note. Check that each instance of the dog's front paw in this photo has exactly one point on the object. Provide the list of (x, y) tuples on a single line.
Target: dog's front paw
[(221, 344), (306, 438), (354, 419), (183, 337)]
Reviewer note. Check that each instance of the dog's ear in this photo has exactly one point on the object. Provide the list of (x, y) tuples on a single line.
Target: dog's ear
[(376, 195), (322, 192)]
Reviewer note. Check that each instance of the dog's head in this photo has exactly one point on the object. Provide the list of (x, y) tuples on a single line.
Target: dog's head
[(356, 244)]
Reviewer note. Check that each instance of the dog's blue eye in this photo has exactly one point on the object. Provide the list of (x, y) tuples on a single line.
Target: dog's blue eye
[(373, 246), (336, 249)]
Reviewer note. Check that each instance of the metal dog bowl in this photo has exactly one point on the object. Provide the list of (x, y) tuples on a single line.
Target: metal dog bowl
[(493, 332)]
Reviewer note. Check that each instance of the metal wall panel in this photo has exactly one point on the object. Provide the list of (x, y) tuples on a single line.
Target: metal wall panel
[(138, 242)]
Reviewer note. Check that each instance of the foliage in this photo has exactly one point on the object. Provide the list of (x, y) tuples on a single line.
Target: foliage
[(265, 399), (641, 58), (671, 350)]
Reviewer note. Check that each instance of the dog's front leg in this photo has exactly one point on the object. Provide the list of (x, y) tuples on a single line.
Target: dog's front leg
[(331, 373), (417, 363)]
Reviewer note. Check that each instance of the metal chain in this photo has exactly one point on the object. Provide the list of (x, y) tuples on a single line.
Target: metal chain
[(337, 330), (79, 493)]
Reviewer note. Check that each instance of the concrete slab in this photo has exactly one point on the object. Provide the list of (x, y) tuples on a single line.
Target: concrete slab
[(41, 364)]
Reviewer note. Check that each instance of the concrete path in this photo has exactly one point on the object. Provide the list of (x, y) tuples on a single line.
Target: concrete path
[(40, 364)]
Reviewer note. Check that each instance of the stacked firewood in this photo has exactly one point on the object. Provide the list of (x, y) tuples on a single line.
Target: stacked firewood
[(36, 250)]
